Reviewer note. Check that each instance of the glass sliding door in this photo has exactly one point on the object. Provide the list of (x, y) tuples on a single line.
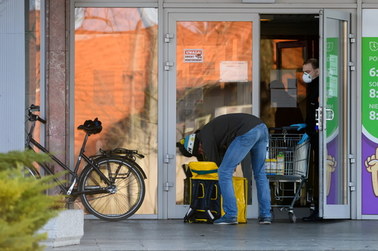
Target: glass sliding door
[(116, 81)]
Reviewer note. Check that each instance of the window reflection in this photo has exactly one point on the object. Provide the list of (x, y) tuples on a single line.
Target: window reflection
[(214, 77), (33, 52), (116, 81)]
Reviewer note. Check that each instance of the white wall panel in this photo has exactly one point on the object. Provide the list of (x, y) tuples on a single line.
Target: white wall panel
[(12, 75)]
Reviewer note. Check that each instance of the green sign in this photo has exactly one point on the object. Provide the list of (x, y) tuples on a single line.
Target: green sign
[(370, 85)]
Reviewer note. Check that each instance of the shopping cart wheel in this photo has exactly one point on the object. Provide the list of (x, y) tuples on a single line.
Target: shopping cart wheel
[(292, 217)]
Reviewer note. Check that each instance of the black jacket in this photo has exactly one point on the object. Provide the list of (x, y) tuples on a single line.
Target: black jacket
[(218, 134)]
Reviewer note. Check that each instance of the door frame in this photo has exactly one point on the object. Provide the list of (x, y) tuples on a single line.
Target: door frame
[(336, 211), (172, 16)]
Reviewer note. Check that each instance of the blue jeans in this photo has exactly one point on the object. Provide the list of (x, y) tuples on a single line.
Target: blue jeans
[(255, 142)]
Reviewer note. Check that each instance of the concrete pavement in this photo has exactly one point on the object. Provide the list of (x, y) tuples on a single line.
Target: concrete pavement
[(176, 235)]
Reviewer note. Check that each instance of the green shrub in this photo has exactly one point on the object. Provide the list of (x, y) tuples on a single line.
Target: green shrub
[(24, 206)]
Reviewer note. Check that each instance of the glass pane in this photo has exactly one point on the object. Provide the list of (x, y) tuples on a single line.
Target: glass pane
[(33, 43), (33, 60), (116, 81), (336, 175), (214, 77)]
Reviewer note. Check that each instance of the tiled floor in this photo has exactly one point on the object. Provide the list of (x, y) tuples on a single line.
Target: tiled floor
[(176, 235)]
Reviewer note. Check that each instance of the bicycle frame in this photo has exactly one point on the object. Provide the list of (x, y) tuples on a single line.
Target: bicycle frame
[(111, 177), (30, 142)]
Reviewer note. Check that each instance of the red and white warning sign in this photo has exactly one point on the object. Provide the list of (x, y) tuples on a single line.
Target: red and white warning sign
[(193, 55)]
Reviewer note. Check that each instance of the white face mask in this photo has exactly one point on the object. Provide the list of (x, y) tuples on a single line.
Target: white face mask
[(306, 78)]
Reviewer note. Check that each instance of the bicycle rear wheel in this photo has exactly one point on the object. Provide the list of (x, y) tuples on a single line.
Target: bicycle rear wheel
[(118, 201)]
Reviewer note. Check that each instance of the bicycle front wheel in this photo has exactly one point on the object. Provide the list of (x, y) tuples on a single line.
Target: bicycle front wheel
[(117, 201)]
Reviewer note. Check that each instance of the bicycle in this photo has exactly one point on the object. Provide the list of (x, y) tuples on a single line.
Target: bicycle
[(111, 186)]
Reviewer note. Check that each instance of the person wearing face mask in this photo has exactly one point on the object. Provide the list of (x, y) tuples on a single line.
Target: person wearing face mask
[(311, 78)]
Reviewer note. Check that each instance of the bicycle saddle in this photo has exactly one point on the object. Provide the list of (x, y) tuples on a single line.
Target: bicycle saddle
[(91, 126)]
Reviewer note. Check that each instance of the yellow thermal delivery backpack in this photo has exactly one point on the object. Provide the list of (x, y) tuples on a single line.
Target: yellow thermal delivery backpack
[(204, 192)]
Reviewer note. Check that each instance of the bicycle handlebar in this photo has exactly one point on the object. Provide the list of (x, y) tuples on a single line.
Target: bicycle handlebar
[(89, 126), (34, 117), (34, 108), (41, 120)]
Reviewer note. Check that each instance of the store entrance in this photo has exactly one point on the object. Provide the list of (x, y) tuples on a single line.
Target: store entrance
[(284, 98), (287, 40), (281, 60), (209, 74)]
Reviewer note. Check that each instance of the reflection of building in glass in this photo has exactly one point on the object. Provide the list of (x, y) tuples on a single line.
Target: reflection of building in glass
[(116, 81)]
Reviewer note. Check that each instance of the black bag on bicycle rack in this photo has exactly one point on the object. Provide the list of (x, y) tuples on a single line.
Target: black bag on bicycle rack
[(205, 201)]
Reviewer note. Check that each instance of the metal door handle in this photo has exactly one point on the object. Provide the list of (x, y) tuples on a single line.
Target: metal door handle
[(319, 118)]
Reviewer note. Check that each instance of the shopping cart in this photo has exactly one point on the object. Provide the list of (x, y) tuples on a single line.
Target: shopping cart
[(287, 167)]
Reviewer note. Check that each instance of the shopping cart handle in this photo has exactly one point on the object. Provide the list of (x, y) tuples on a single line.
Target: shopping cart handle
[(284, 128)]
